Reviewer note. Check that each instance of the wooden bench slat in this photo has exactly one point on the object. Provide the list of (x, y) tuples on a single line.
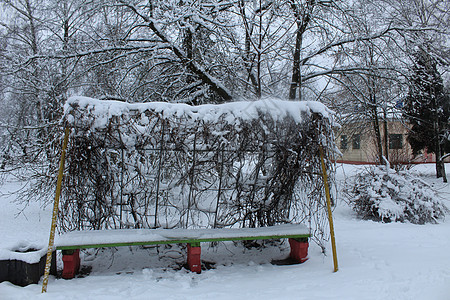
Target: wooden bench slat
[(130, 237)]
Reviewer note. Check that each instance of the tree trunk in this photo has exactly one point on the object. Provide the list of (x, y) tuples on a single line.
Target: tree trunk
[(248, 61), (438, 152), (375, 118), (296, 76), (376, 128), (444, 175), (258, 53), (386, 135), (442, 157), (302, 24)]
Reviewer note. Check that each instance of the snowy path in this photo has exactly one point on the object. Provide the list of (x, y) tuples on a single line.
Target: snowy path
[(376, 261)]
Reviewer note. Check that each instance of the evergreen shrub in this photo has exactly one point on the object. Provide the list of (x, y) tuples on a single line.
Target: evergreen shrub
[(390, 196)]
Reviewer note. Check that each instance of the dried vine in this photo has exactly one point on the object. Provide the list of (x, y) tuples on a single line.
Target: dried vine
[(145, 169)]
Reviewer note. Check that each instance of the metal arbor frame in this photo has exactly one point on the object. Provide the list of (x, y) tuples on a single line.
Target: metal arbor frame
[(201, 175), (175, 172)]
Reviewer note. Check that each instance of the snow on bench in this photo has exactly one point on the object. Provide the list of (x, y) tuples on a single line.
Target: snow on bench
[(127, 237), (71, 242)]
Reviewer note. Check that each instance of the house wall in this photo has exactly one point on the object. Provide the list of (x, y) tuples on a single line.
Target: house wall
[(367, 153)]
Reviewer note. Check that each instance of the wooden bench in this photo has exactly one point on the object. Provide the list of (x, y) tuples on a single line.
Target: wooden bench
[(70, 243)]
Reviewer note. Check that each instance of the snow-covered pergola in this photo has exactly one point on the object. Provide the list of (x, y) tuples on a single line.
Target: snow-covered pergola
[(165, 165)]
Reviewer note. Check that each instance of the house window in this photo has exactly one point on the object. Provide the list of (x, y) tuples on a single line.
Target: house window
[(395, 141), (356, 141), (344, 142)]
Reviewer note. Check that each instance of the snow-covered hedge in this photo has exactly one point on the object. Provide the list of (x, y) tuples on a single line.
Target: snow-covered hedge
[(390, 196)]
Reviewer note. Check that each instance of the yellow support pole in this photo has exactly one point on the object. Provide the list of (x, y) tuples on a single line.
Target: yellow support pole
[(330, 217), (55, 212)]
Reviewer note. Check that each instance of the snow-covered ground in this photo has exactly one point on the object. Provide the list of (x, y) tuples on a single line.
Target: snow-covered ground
[(376, 261)]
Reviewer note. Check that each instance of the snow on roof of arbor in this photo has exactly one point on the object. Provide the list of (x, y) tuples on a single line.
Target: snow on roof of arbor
[(233, 112)]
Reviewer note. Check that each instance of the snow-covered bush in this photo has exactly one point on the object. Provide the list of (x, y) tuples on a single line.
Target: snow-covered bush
[(390, 196)]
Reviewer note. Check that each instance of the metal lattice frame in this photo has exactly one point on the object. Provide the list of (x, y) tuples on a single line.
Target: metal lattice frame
[(147, 170)]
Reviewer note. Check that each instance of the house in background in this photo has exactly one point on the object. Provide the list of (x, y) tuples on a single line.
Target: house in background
[(357, 143)]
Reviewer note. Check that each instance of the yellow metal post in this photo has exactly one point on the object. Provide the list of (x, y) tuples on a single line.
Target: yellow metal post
[(330, 217), (55, 212)]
